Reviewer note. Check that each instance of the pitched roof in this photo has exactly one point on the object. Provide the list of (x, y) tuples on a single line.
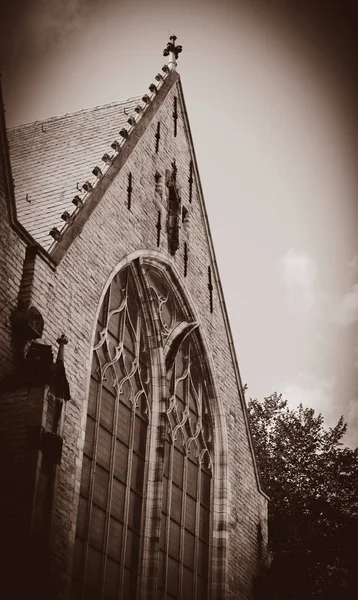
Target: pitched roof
[(49, 158)]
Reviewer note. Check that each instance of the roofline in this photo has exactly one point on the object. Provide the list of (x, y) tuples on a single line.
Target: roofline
[(9, 189), (221, 294), (72, 113), (68, 235)]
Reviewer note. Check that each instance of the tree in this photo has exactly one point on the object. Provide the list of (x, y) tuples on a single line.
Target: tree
[(312, 482)]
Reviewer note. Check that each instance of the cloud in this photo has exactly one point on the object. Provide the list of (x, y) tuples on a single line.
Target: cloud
[(312, 392), (42, 24), (299, 275), (347, 308), (321, 395), (351, 437), (353, 265)]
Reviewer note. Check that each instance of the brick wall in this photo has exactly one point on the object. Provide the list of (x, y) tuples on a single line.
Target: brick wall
[(12, 253), (69, 299), (20, 463)]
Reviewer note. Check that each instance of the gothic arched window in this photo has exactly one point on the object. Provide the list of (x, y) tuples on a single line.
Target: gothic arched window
[(149, 388), (187, 471)]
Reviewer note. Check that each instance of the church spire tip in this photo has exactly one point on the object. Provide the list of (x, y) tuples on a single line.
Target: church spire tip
[(173, 52)]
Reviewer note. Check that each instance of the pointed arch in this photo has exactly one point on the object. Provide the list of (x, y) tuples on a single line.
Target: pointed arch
[(186, 335), (147, 344)]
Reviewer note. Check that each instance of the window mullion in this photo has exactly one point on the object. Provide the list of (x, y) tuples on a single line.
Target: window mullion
[(127, 503), (197, 529), (107, 302), (168, 516), (110, 489), (182, 526), (91, 482)]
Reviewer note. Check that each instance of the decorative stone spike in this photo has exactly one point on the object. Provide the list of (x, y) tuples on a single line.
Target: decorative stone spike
[(153, 88), (62, 342), (97, 172), (59, 385), (116, 146), (158, 77), (55, 234), (131, 121), (77, 202), (146, 98), (165, 69), (185, 216), (107, 159), (124, 133), (66, 216), (138, 109), (87, 186), (159, 185)]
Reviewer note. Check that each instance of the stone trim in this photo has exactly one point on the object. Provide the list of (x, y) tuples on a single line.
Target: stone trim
[(59, 249), (218, 285)]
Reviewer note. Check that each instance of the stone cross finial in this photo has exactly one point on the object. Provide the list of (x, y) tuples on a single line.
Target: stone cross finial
[(62, 341), (173, 52)]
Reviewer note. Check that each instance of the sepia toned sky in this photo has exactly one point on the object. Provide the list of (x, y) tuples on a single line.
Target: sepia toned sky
[(271, 93)]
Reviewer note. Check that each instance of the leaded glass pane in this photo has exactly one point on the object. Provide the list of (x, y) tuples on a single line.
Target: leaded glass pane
[(96, 533), (108, 400), (82, 515), (86, 468), (176, 503), (188, 583), (173, 576), (93, 568), (111, 579), (121, 461), (174, 540), (104, 447), (115, 538), (118, 498), (190, 513), (89, 436), (189, 548)]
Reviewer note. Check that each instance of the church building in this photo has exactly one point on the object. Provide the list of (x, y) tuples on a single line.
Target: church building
[(127, 465)]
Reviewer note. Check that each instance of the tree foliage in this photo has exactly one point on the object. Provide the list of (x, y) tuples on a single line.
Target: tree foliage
[(312, 482)]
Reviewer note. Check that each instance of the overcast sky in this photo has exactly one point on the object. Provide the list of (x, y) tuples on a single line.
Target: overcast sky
[(271, 92)]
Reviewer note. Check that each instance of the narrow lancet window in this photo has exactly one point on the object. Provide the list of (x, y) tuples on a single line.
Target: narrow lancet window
[(190, 181), (175, 116), (129, 191), (157, 138)]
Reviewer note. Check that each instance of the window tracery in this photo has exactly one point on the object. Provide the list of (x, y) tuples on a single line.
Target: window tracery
[(184, 545), (109, 536)]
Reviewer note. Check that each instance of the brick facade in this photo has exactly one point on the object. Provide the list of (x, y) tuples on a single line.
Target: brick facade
[(69, 294)]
